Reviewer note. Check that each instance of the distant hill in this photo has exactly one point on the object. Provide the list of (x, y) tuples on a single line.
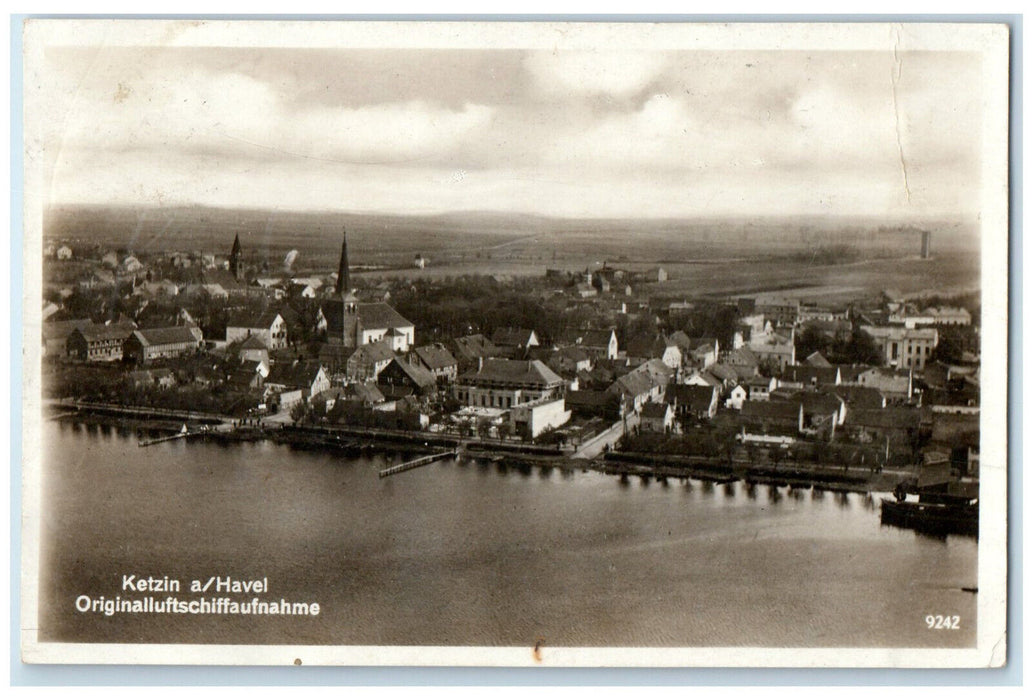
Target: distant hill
[(387, 239)]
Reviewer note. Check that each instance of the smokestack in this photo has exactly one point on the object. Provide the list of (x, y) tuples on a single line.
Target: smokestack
[(343, 283), (926, 240)]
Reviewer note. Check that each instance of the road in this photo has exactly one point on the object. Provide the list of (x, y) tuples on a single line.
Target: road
[(594, 447)]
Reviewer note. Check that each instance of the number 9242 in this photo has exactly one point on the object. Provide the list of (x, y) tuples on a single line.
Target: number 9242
[(943, 622)]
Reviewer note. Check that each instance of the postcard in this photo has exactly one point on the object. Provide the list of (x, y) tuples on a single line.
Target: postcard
[(515, 343)]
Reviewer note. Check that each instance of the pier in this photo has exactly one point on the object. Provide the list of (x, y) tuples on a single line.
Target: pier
[(166, 438), (415, 463)]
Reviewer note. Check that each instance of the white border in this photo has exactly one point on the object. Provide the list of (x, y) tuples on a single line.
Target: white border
[(991, 40)]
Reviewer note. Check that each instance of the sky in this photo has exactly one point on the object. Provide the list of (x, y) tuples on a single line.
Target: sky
[(569, 133)]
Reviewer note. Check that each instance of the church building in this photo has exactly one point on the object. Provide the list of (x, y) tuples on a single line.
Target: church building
[(353, 323)]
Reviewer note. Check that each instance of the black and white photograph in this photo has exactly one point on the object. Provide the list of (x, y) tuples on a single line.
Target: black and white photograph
[(515, 343)]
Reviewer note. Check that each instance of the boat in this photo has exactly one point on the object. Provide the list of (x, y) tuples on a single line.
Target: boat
[(933, 517)]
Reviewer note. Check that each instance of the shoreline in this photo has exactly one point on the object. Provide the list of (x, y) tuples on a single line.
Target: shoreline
[(358, 442)]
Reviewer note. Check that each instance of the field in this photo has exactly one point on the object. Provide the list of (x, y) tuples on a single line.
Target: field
[(822, 258)]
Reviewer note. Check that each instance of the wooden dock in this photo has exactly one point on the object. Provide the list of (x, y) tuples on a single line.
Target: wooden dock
[(167, 438), (415, 463)]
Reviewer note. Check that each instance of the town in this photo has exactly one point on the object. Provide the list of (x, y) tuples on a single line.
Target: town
[(580, 364)]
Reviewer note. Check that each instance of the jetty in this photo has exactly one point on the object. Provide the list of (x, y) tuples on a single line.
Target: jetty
[(415, 463), (183, 433)]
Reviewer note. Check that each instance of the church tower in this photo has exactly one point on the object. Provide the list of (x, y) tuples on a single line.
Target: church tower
[(236, 264), (343, 282)]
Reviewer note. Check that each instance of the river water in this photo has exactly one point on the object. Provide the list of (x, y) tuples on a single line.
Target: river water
[(472, 554)]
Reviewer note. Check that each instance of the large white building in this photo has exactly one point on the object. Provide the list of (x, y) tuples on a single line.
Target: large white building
[(508, 383), (903, 347)]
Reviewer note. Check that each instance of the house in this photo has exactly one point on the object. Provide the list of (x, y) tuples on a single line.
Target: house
[(149, 344), (780, 310), (893, 383), (949, 316), (110, 259), (639, 387), (776, 348), (64, 253), (736, 397), (536, 417), (816, 312), (268, 326), (161, 288), (589, 403), (365, 393), (904, 347), (772, 417), (436, 359), (742, 360), (309, 377), (567, 361), (803, 376), (367, 362), (600, 342), (703, 352), (821, 409), (514, 342), (693, 401), (584, 291), (56, 333), (759, 388), (248, 376), (656, 274), (131, 264), (471, 351), (402, 374), (656, 418), (419, 262), (727, 375), (704, 378), (49, 309), (816, 359), (861, 397), (99, 343), (503, 383), (893, 425), (253, 349), (643, 348)]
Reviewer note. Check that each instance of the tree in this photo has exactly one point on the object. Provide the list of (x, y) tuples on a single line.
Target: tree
[(298, 411)]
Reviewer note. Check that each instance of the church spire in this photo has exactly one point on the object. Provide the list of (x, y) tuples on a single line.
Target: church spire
[(343, 283), (235, 262)]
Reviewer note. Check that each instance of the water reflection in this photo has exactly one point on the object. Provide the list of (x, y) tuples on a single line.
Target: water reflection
[(364, 549), (817, 494), (843, 499)]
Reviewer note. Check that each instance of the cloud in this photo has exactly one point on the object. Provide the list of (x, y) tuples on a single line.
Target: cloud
[(578, 133), (199, 110), (617, 74)]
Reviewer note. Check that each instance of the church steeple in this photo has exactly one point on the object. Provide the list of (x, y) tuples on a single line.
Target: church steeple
[(343, 283), (236, 266)]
